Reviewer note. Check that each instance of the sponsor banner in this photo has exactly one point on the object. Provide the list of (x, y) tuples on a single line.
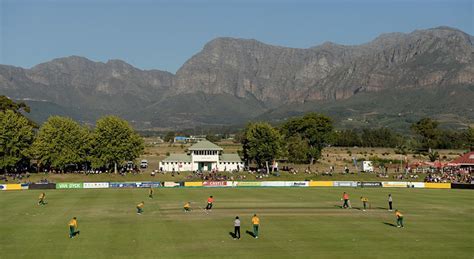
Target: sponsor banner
[(193, 184), (69, 185), (462, 186), (438, 185), (215, 184), (24, 186), (297, 184), (124, 184), (321, 183), (3, 187), (395, 184), (273, 184), (247, 184), (172, 184), (96, 185), (36, 186), (369, 184), (13, 186), (344, 184), (150, 184), (416, 185)]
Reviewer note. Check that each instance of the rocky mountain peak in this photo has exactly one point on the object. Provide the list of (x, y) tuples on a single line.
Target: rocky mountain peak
[(234, 79)]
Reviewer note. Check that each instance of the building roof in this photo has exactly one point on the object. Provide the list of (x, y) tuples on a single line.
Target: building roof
[(230, 158), (466, 159), (204, 145), (177, 158)]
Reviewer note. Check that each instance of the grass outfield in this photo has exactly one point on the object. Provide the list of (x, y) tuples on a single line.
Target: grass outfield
[(295, 222)]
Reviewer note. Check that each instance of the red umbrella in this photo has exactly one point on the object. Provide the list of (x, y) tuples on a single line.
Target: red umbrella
[(438, 164)]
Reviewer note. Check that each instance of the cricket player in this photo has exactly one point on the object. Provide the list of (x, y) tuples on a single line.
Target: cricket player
[(255, 223), (364, 200), (390, 202), (210, 200), (237, 228), (140, 207), (399, 216), (345, 198), (41, 201), (73, 227), (150, 193), (187, 207)]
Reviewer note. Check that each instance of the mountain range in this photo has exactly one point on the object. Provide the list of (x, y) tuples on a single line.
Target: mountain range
[(391, 81)]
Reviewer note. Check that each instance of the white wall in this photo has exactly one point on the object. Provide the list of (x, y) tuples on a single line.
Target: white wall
[(221, 166), (178, 167), (230, 166)]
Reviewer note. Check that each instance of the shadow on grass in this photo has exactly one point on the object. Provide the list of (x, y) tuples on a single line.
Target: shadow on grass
[(389, 224), (232, 235), (250, 233)]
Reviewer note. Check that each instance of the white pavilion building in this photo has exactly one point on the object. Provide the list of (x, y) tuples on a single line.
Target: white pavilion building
[(203, 156)]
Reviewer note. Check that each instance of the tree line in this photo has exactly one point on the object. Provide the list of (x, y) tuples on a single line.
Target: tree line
[(61, 142), (302, 139)]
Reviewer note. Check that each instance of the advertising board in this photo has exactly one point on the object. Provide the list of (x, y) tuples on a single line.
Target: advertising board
[(395, 184), (149, 184), (96, 185), (69, 185), (215, 184), (438, 185), (172, 184), (416, 185), (369, 184), (124, 184), (297, 184), (321, 183), (247, 184), (13, 186), (273, 184), (192, 184), (344, 184), (462, 186), (35, 186)]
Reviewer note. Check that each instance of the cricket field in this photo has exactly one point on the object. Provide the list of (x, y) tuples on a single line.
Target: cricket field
[(294, 223)]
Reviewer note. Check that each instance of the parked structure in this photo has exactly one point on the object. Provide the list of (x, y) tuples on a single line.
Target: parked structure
[(202, 156)]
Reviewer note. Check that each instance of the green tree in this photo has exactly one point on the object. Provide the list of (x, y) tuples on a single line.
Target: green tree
[(433, 155), (114, 142), (451, 139), (347, 138), (469, 136), (60, 142), (214, 137), (298, 150), (380, 137), (261, 143), (18, 108), (16, 136), (427, 130), (315, 129), (169, 137)]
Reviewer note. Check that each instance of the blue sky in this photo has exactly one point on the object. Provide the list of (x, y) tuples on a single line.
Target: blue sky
[(164, 34)]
